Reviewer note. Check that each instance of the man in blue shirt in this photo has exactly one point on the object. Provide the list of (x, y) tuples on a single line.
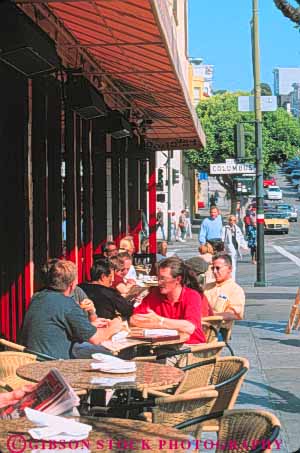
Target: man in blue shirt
[(211, 227)]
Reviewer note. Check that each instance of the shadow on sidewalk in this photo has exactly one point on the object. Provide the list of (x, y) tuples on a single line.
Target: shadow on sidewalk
[(291, 342), (278, 400), (278, 326)]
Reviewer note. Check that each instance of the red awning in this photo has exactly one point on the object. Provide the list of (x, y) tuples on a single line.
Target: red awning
[(135, 45)]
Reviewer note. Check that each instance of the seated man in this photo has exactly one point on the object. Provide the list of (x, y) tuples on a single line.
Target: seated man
[(109, 249), (225, 297), (54, 320), (174, 304), (107, 300)]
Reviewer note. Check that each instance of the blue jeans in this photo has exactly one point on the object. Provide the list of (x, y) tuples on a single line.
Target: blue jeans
[(162, 230)]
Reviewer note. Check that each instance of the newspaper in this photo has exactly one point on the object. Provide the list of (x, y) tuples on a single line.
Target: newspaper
[(136, 291), (52, 395)]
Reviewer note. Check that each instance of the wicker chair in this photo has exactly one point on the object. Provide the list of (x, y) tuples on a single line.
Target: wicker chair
[(258, 428), (213, 326), (178, 408), (9, 345), (191, 354), (224, 374), (10, 361)]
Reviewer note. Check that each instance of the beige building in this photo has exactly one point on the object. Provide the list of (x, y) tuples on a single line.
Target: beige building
[(181, 190)]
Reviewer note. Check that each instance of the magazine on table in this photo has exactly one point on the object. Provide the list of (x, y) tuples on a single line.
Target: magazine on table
[(52, 395)]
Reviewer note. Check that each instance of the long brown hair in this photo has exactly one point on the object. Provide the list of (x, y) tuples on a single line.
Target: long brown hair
[(178, 268)]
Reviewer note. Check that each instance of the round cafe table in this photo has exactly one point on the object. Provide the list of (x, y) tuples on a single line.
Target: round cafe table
[(78, 374), (109, 435)]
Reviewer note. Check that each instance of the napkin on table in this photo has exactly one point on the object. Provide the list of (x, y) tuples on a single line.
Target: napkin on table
[(120, 335), (53, 427), (110, 363)]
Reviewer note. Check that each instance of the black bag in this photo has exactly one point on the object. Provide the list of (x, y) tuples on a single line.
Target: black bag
[(234, 241)]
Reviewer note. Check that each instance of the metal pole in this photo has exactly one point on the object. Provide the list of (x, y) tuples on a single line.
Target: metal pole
[(169, 195), (208, 192), (260, 270)]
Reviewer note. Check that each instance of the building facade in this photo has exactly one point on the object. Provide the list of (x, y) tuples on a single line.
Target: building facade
[(99, 100), (284, 78), (200, 79)]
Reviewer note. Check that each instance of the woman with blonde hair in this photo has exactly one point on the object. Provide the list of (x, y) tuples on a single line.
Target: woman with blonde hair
[(127, 245), (234, 241)]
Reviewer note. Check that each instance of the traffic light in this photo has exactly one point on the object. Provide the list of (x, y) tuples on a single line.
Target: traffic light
[(239, 140), (175, 176), (160, 179)]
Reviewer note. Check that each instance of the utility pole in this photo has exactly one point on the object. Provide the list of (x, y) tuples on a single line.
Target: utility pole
[(169, 172), (260, 270)]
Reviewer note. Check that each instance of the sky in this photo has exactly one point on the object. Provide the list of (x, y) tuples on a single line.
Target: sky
[(219, 32)]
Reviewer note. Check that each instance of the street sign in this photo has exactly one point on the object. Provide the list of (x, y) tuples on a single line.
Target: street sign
[(246, 103), (231, 167)]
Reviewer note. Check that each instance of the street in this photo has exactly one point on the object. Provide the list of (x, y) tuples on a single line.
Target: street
[(282, 252), (273, 379)]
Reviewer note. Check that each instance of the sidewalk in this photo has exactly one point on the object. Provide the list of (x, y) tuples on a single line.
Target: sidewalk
[(272, 382)]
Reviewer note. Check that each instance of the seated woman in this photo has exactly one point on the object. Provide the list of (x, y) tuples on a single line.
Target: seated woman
[(107, 300), (121, 265)]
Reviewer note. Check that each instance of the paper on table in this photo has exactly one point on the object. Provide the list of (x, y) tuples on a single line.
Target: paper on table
[(106, 358), (120, 335), (110, 382), (114, 367), (53, 427), (160, 332)]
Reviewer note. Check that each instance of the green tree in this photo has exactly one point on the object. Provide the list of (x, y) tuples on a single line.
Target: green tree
[(220, 92), (219, 114), (265, 89)]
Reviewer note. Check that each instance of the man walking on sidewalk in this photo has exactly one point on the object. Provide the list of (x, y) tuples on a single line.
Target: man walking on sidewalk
[(160, 222), (211, 227)]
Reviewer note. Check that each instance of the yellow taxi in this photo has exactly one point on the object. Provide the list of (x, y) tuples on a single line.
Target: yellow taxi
[(276, 222)]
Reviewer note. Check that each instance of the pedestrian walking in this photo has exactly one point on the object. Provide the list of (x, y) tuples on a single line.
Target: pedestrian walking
[(216, 195), (160, 222), (173, 227), (251, 237), (182, 225), (212, 201), (234, 241), (211, 227), (189, 233)]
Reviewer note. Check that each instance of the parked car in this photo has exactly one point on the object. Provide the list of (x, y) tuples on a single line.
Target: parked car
[(276, 222), (274, 193), (294, 174), (270, 182), (290, 211), (295, 180)]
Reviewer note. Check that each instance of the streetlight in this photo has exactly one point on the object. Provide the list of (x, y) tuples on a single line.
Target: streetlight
[(260, 269)]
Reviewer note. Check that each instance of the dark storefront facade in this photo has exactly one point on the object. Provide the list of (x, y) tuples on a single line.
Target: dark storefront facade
[(69, 180)]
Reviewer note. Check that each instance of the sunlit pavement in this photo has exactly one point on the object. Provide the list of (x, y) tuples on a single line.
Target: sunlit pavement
[(273, 380)]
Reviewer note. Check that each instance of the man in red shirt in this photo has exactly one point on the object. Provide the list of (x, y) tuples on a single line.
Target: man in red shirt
[(175, 304)]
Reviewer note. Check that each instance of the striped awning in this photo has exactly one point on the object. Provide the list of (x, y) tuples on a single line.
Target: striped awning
[(134, 44)]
